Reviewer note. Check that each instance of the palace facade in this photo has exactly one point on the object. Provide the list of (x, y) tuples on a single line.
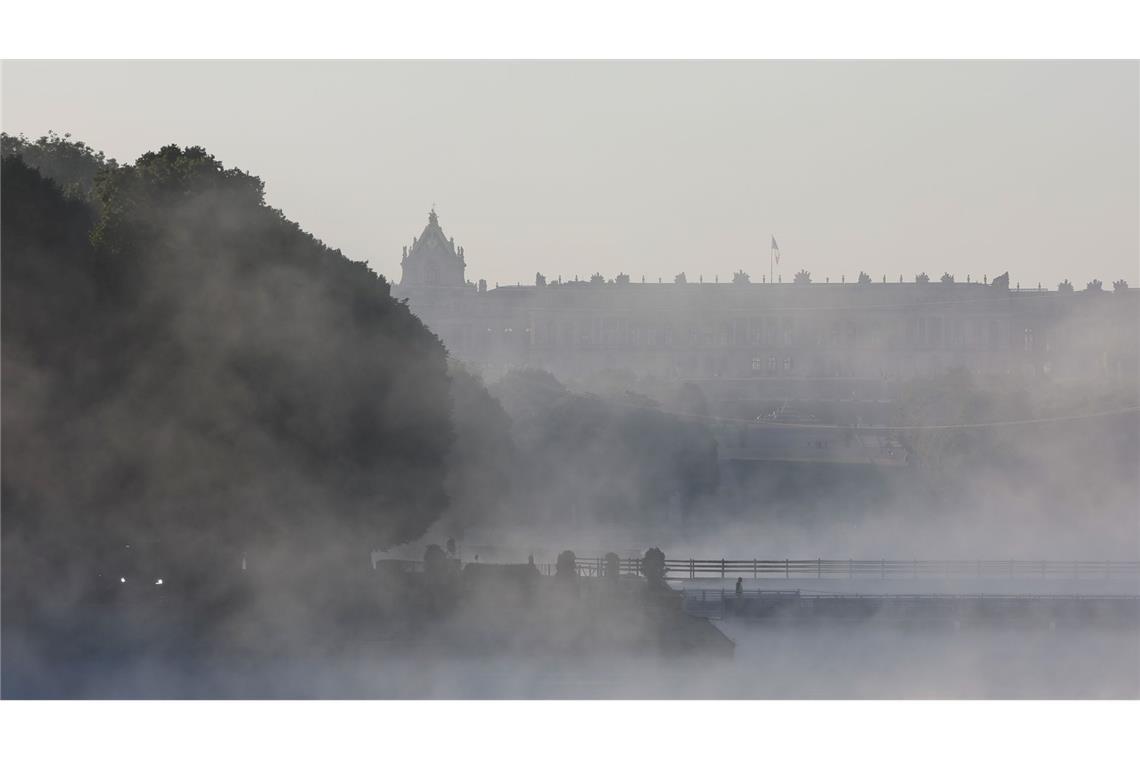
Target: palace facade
[(770, 343)]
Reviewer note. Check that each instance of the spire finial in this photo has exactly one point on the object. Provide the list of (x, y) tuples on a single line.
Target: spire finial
[(432, 218)]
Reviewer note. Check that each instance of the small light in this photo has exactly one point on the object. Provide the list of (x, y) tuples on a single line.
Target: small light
[(158, 582), (122, 580)]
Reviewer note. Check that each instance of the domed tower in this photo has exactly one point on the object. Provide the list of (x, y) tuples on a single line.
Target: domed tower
[(433, 260)]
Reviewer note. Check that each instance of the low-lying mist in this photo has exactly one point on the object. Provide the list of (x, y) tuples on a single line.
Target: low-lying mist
[(214, 425)]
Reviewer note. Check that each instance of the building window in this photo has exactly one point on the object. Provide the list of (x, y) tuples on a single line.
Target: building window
[(771, 365), (787, 364)]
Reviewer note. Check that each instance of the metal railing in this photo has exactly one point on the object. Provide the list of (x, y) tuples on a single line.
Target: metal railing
[(756, 569), (694, 569)]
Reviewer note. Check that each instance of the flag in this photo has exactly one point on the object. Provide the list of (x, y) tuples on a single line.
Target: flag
[(776, 249)]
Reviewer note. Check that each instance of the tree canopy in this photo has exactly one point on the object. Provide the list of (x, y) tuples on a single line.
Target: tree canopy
[(72, 164), (184, 365), (590, 458)]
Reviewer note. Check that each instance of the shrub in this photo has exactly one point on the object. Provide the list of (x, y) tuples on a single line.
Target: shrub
[(566, 565), (653, 567)]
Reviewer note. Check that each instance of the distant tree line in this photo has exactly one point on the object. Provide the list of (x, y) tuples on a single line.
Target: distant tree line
[(542, 454)]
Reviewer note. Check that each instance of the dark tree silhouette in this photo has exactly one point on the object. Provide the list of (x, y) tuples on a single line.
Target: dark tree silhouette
[(1065, 286), (566, 565), (864, 278), (653, 568), (1120, 286), (741, 278), (482, 456), (802, 277), (1095, 286), (947, 279), (206, 377), (71, 164), (922, 278)]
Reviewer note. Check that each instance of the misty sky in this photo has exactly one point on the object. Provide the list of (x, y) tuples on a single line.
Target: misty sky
[(653, 168)]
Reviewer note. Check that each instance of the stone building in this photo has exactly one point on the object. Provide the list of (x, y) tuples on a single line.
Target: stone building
[(434, 261), (765, 341)]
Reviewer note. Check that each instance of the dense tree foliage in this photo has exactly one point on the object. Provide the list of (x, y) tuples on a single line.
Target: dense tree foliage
[(586, 459), (482, 461), (653, 568), (71, 164), (184, 367), (955, 398), (566, 565), (1090, 462)]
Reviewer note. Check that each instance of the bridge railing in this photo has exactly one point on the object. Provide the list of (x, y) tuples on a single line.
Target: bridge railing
[(755, 569), (694, 569)]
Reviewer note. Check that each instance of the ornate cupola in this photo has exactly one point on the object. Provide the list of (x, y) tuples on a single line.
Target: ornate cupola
[(433, 260)]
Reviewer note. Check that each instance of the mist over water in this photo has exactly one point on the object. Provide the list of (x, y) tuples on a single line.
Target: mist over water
[(237, 463), (838, 662)]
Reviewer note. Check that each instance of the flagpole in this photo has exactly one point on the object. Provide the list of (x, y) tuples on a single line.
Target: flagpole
[(771, 254)]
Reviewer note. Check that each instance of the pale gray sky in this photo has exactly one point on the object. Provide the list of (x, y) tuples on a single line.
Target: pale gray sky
[(653, 168)]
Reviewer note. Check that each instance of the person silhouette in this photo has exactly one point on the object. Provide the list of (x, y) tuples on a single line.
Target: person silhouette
[(739, 586)]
